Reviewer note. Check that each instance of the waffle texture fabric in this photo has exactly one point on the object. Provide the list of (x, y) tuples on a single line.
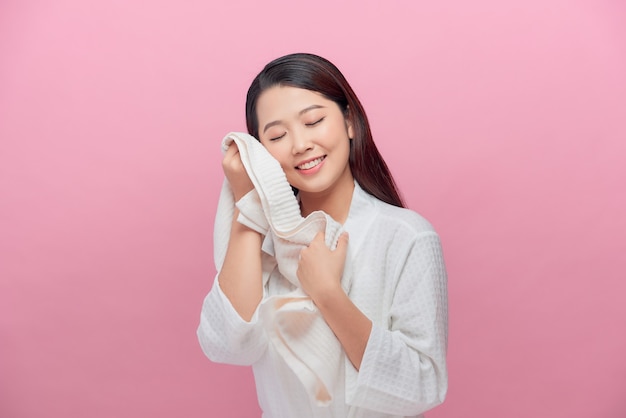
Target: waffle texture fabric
[(396, 277)]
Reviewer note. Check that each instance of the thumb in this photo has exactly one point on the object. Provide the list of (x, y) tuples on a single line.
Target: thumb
[(320, 237)]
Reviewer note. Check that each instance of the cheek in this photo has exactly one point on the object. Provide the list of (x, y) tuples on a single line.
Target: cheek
[(336, 133), (280, 153)]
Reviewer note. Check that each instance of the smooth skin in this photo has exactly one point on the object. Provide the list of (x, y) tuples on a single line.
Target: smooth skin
[(309, 135)]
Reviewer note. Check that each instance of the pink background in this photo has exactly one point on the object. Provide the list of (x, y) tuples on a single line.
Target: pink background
[(504, 122)]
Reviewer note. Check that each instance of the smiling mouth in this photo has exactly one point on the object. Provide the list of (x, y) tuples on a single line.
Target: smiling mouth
[(310, 164)]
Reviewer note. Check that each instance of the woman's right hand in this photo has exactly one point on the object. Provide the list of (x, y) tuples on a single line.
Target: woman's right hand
[(235, 172)]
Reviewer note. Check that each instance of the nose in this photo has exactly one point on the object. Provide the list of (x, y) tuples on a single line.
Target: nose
[(301, 142)]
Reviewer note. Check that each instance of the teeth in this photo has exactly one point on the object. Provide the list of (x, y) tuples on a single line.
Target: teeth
[(310, 164)]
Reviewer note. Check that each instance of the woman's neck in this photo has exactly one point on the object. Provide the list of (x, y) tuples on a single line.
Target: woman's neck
[(334, 201)]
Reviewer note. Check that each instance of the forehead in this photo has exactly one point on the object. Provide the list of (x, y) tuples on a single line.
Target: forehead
[(283, 101)]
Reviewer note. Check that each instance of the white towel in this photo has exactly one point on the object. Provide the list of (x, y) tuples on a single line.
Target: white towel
[(294, 324)]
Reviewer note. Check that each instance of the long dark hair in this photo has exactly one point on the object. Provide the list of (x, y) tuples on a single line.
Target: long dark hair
[(311, 72)]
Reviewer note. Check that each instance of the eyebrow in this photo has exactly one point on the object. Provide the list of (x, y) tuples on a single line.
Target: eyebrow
[(300, 113)]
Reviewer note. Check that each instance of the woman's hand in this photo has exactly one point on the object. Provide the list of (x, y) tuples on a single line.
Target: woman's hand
[(236, 173), (320, 269)]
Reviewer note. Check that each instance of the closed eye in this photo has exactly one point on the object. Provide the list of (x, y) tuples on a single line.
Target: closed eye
[(315, 123), (278, 137)]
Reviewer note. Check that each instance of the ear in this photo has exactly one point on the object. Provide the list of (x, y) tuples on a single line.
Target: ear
[(349, 124)]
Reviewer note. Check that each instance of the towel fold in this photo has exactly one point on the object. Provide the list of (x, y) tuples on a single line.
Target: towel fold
[(294, 325)]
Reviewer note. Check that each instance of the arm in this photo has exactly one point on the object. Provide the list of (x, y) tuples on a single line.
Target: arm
[(229, 331), (241, 275), (319, 272), (404, 370), (349, 324)]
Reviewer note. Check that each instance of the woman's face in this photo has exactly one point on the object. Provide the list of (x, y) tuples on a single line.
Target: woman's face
[(309, 135)]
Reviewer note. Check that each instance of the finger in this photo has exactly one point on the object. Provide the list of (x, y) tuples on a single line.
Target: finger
[(342, 243), (231, 150)]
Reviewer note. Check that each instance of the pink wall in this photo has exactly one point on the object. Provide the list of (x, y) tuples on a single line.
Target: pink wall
[(505, 123)]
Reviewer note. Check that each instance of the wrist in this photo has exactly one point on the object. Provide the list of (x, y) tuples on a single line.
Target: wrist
[(238, 227), (329, 296)]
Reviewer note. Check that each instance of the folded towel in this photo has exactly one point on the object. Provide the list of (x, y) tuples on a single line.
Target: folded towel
[(294, 325)]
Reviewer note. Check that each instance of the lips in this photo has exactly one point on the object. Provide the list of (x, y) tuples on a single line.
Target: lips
[(311, 163)]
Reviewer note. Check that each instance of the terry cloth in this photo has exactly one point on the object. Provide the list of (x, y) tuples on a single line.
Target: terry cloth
[(294, 324)]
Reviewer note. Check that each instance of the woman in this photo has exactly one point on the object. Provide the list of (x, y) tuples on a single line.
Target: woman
[(392, 323)]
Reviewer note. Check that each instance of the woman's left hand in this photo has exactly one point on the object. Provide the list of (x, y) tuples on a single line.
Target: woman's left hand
[(320, 268)]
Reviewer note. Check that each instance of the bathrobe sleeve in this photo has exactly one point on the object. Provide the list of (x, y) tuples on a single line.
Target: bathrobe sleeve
[(224, 336), (403, 371)]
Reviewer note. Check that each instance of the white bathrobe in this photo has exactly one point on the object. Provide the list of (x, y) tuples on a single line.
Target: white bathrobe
[(398, 281)]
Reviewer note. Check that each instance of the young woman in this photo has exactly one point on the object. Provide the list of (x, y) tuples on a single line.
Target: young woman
[(392, 323)]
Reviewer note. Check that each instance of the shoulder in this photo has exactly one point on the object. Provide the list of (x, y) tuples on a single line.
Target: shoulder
[(383, 226), (404, 219)]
